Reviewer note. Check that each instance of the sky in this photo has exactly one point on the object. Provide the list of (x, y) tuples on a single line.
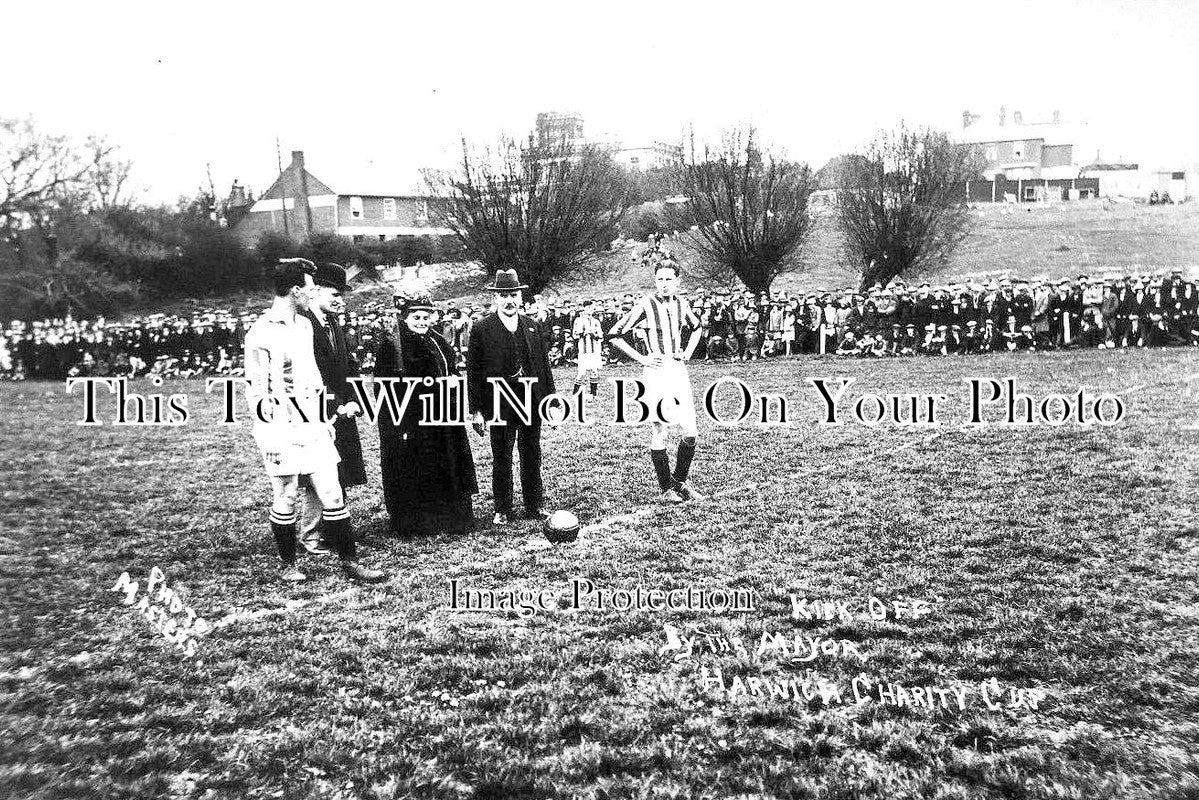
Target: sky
[(375, 91)]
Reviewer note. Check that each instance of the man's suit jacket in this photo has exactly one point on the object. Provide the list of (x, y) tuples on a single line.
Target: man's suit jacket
[(333, 359), (489, 357)]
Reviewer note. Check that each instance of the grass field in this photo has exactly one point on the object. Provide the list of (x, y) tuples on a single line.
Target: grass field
[(1057, 559)]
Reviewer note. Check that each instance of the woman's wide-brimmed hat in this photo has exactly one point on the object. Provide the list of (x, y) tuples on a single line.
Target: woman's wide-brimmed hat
[(407, 303), (506, 281)]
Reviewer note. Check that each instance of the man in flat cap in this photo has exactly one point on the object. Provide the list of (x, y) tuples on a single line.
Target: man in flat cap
[(506, 346)]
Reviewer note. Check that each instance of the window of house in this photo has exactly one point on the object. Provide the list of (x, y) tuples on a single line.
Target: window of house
[(382, 237), (356, 207), (359, 238), (992, 153), (422, 210), (389, 208), (634, 160), (1018, 150)]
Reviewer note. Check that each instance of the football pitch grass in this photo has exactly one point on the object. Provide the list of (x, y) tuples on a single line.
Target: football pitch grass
[(1058, 561)]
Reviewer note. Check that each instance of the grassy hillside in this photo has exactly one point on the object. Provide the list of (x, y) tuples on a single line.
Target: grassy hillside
[(1062, 239)]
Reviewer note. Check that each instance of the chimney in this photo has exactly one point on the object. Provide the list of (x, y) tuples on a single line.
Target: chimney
[(1017, 118), (301, 199), (1057, 116)]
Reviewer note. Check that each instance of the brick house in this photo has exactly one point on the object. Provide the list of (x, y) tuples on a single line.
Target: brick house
[(1020, 150), (299, 204)]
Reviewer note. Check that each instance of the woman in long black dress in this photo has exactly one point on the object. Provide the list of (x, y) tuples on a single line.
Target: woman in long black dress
[(428, 470)]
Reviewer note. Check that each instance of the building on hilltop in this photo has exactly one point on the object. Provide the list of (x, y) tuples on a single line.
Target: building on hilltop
[(555, 129), (1019, 149), (1139, 181), (298, 204), (654, 155)]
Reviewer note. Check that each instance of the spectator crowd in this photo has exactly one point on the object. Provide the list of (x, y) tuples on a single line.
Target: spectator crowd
[(1141, 310)]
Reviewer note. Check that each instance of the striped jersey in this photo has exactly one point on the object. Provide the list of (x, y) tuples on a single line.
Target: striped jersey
[(665, 318), (588, 333)]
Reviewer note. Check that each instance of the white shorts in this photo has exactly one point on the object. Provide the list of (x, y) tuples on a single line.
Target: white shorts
[(590, 361), (301, 449), (671, 386)]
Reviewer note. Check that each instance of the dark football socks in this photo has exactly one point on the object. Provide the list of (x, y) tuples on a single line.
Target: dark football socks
[(337, 531), (594, 388), (661, 467), (682, 464), (578, 386), (283, 526)]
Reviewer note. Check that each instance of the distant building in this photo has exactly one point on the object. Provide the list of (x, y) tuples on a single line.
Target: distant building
[(554, 129), (1135, 180), (655, 155), (237, 205), (1019, 150), (298, 204)]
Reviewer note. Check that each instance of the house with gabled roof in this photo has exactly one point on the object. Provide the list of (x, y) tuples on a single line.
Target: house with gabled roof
[(299, 204), (1021, 149)]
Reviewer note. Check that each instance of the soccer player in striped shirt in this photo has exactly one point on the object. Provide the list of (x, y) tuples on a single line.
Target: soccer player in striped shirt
[(667, 384), (589, 338)]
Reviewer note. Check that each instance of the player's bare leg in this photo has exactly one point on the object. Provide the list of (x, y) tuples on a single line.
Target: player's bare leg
[(338, 531), (283, 524)]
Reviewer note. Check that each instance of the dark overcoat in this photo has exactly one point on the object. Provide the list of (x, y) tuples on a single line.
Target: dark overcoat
[(428, 470), (337, 366)]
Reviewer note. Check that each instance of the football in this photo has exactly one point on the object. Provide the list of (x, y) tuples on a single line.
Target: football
[(561, 526)]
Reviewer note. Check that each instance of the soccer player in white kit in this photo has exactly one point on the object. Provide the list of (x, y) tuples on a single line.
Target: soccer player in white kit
[(589, 339), (286, 384), (667, 384)]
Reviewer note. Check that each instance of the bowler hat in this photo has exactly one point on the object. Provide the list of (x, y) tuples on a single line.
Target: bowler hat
[(506, 281), (330, 275)]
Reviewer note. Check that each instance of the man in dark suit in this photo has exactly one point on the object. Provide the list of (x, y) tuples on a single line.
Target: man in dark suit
[(336, 366), (506, 347)]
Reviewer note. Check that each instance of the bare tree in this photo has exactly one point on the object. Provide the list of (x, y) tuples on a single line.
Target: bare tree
[(751, 209), (109, 182), (541, 210), (38, 172), (900, 206)]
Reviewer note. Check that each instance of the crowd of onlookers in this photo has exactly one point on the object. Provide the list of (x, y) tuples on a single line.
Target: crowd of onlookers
[(1144, 310)]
